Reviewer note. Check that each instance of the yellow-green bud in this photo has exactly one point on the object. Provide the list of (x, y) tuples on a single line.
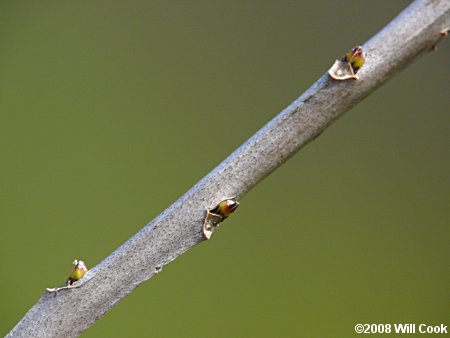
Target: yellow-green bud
[(355, 57), (226, 208), (79, 269), (216, 215), (347, 67)]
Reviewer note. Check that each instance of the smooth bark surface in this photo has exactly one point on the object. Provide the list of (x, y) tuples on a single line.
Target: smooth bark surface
[(68, 313)]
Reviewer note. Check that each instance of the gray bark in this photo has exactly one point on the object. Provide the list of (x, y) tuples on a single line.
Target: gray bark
[(67, 313)]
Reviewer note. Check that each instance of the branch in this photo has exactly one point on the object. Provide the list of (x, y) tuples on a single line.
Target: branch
[(70, 311)]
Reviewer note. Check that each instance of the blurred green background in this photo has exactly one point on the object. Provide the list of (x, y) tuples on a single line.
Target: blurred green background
[(111, 110)]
